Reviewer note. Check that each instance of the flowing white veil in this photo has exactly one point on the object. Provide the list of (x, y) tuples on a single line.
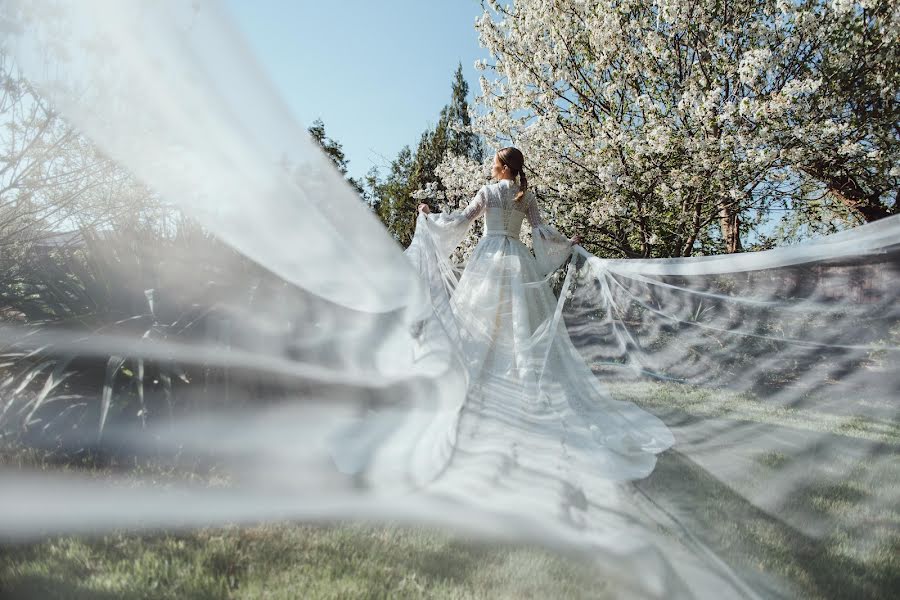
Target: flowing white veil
[(300, 356)]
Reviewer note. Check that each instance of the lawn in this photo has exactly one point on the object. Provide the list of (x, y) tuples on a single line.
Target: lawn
[(853, 555), (284, 560)]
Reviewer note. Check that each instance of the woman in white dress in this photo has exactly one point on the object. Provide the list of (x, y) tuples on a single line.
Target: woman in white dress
[(527, 383)]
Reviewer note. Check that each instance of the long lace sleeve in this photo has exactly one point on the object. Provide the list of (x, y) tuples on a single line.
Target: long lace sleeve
[(551, 248), (447, 230)]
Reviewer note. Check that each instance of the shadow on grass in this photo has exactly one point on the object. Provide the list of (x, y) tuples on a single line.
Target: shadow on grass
[(100, 568), (436, 556), (49, 587), (352, 560), (758, 543)]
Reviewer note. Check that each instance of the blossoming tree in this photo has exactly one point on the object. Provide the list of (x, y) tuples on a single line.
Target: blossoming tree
[(672, 127)]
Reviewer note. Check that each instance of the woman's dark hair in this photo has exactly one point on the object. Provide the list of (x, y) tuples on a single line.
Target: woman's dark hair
[(512, 158)]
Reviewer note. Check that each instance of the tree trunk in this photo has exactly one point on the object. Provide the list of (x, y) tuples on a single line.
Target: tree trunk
[(688, 246), (730, 222)]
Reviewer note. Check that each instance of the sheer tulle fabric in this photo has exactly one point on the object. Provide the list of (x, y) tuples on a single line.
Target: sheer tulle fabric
[(359, 382), (519, 358)]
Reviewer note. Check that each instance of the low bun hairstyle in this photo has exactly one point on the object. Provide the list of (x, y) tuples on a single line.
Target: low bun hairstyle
[(513, 158)]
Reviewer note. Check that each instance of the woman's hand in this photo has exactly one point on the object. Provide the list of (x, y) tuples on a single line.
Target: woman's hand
[(576, 239), (423, 209)]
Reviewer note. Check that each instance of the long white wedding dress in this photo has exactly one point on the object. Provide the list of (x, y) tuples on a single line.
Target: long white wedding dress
[(524, 374)]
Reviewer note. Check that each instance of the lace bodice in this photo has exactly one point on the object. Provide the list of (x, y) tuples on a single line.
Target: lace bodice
[(503, 214)]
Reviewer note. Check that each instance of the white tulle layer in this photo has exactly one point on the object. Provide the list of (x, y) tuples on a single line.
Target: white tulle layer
[(530, 391)]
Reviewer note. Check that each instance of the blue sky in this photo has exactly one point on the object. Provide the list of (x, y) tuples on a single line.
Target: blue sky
[(376, 72)]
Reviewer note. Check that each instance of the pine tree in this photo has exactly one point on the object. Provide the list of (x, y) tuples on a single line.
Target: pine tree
[(413, 171), (432, 147), (396, 206), (371, 183), (452, 135), (462, 141), (335, 152)]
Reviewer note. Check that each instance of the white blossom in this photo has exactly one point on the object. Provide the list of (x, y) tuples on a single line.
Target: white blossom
[(619, 114)]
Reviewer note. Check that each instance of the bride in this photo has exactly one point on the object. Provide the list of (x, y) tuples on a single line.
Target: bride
[(525, 375)]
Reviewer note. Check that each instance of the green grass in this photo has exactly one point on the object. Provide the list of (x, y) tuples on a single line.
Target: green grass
[(838, 537), (283, 560), (835, 535), (273, 560), (855, 555), (706, 402)]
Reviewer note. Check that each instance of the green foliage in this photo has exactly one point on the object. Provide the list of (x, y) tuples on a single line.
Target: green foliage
[(462, 141), (396, 206), (391, 198), (412, 171), (335, 152), (111, 283)]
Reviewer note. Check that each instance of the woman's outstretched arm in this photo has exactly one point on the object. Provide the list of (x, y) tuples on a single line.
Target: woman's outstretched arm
[(471, 212), (447, 230)]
